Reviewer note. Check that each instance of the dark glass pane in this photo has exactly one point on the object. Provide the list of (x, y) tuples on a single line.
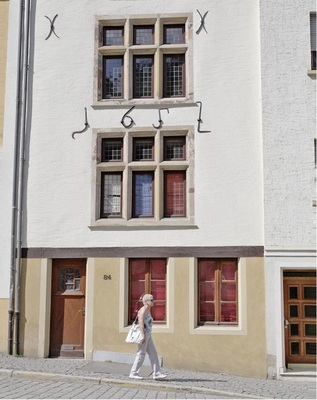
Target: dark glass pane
[(143, 34), (207, 312), (228, 292), (294, 348), (294, 329), (309, 292), (112, 77), (174, 148), (142, 76), (111, 150), (310, 311), (206, 291), (228, 271), (228, 312), (174, 75), (143, 194), (207, 270), (293, 292), (159, 311), (143, 149), (113, 36), (310, 348), (174, 34), (310, 329), (293, 311), (158, 269), (158, 290)]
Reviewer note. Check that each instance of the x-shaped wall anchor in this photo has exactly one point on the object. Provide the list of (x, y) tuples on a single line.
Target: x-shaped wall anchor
[(85, 128), (202, 22), (52, 26)]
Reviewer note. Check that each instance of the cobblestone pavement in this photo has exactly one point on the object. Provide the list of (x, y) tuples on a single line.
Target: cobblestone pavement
[(81, 371), (17, 388)]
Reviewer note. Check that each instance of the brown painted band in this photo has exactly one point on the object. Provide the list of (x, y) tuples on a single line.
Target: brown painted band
[(94, 252)]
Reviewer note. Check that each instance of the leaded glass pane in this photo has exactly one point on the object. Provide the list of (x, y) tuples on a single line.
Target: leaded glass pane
[(112, 194), (143, 35), (143, 77), (113, 36), (113, 82), (174, 148), (143, 149), (111, 150), (143, 194), (174, 34), (173, 75)]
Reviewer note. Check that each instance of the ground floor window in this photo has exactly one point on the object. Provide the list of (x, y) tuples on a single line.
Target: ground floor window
[(217, 291), (147, 276)]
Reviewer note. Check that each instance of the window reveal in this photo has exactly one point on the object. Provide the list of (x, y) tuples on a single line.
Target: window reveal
[(313, 46), (147, 276), (217, 292)]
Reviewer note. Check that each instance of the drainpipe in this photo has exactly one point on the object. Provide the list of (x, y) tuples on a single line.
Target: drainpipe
[(15, 179), (24, 121)]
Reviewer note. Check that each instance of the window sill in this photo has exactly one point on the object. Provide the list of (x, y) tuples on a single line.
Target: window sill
[(312, 72), (144, 103), (217, 330), (143, 224)]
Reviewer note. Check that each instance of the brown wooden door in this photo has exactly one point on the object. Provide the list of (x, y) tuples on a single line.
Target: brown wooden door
[(68, 308), (300, 317)]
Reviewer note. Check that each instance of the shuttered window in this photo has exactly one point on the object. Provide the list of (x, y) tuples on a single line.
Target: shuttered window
[(147, 276), (217, 292), (313, 40), (175, 193)]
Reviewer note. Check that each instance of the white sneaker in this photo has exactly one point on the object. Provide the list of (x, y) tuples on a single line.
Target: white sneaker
[(135, 376), (159, 375)]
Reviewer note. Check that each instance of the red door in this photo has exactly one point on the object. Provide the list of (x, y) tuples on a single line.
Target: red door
[(68, 308)]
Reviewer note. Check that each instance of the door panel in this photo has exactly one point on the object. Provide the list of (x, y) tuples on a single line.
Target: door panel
[(300, 317), (68, 308)]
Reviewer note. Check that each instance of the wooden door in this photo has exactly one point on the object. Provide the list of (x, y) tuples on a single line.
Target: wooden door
[(68, 308), (300, 317)]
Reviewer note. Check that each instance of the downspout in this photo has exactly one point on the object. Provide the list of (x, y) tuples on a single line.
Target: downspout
[(15, 179), (24, 121)]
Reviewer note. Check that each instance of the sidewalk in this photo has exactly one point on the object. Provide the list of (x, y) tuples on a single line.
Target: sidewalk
[(103, 372)]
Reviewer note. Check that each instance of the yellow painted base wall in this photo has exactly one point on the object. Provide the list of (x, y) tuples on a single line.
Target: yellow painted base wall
[(243, 353), (4, 305)]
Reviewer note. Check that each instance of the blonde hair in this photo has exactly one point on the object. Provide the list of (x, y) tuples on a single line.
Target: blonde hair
[(146, 298)]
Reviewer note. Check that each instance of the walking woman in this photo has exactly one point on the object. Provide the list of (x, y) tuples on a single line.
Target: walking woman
[(147, 345)]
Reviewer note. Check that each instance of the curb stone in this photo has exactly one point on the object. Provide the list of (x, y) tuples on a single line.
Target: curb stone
[(104, 381)]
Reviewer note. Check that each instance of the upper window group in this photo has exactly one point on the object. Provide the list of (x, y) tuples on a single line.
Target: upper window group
[(143, 59)]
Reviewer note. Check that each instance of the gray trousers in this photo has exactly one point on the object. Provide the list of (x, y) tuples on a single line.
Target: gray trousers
[(146, 347)]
